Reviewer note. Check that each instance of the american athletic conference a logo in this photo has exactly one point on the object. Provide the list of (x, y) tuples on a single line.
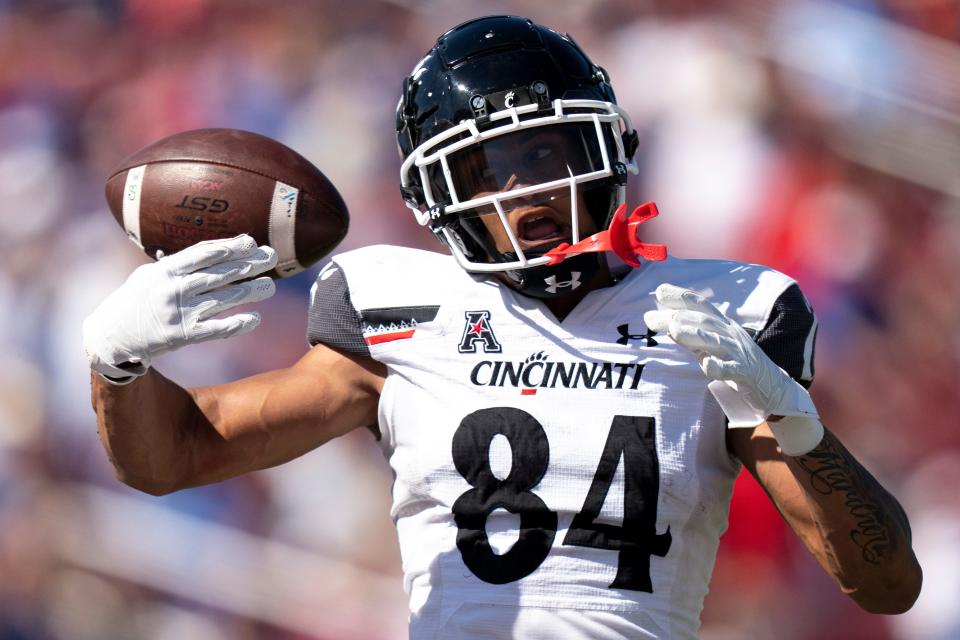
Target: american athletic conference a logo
[(477, 329)]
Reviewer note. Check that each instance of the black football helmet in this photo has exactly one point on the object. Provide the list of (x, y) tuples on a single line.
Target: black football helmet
[(507, 121)]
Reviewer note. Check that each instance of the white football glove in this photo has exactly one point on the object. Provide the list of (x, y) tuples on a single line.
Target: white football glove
[(747, 384), (170, 303)]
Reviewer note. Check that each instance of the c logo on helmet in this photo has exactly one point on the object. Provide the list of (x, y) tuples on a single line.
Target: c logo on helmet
[(508, 99)]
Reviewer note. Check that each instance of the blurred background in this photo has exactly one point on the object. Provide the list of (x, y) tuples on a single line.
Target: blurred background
[(820, 138)]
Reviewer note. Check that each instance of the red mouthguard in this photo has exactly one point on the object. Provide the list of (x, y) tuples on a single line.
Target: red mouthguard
[(621, 238)]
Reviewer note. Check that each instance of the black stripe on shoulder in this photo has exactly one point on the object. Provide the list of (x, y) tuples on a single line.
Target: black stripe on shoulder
[(398, 315), (789, 335), (332, 318)]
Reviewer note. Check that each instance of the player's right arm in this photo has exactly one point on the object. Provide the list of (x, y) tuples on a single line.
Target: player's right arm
[(161, 437)]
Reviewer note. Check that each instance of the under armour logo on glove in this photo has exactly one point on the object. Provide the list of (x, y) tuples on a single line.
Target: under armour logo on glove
[(553, 285)]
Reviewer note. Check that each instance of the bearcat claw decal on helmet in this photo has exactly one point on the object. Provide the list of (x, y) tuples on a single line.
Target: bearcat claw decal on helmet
[(513, 144)]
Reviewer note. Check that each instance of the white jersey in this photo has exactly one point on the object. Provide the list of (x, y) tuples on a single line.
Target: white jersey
[(552, 479)]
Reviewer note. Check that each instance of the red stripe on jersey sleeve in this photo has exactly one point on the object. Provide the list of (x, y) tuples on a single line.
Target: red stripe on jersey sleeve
[(389, 337)]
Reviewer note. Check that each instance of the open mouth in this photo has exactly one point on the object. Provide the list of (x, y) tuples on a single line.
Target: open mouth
[(539, 226)]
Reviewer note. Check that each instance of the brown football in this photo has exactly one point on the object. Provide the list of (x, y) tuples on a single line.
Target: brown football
[(218, 183)]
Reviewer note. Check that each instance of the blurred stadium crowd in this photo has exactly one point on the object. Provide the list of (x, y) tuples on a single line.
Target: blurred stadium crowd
[(820, 138)]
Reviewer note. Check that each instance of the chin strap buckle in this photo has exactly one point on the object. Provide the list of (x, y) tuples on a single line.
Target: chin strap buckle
[(621, 238)]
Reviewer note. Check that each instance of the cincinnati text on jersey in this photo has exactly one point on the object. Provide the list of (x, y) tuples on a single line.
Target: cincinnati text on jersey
[(537, 372)]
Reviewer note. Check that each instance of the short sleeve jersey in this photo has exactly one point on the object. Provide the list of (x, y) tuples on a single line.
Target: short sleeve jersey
[(543, 465)]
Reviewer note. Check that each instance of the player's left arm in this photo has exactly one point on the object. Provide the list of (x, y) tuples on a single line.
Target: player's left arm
[(853, 526)]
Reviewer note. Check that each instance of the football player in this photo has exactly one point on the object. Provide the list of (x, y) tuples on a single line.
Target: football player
[(564, 434)]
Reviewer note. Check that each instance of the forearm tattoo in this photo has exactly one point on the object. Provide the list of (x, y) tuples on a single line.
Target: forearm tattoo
[(879, 522)]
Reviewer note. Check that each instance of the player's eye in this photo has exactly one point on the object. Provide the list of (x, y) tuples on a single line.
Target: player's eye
[(544, 162), (540, 153)]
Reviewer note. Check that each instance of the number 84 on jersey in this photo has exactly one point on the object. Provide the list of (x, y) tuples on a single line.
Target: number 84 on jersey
[(630, 438)]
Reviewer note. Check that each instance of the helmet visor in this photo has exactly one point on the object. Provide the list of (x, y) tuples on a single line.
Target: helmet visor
[(525, 158)]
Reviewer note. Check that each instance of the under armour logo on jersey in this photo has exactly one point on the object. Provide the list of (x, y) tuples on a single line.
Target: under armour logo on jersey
[(553, 285), (626, 336), (477, 329)]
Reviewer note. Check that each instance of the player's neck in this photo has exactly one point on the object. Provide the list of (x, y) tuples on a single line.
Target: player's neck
[(561, 307)]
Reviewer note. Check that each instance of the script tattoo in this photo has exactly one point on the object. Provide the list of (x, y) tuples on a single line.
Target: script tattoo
[(833, 470)]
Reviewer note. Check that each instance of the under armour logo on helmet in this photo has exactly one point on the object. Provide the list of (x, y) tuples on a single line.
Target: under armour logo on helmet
[(553, 285)]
